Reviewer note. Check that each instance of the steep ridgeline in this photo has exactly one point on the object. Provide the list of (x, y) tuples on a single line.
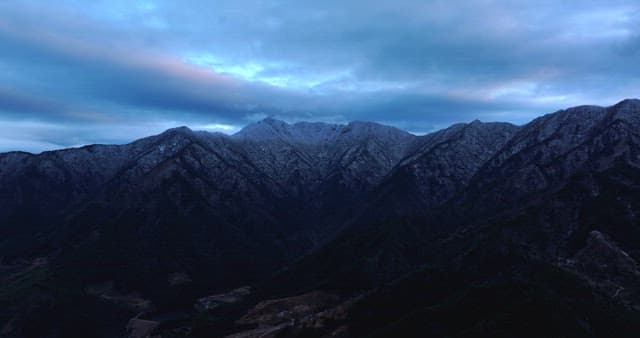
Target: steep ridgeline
[(564, 182), (437, 169), (440, 168), (549, 150), (542, 239), (325, 169), (168, 205), (549, 225), (280, 172), (560, 177)]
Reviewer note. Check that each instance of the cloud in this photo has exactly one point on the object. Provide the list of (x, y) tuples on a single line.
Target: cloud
[(108, 65)]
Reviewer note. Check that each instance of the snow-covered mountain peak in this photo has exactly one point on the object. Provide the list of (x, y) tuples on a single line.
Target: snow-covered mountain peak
[(631, 103), (179, 130), (366, 127), (268, 128), (314, 132), (628, 110), (178, 133), (301, 132)]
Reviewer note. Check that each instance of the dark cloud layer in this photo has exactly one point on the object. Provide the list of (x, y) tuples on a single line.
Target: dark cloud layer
[(77, 72)]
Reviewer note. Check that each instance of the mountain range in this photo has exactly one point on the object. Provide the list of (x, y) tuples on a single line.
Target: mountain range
[(319, 230)]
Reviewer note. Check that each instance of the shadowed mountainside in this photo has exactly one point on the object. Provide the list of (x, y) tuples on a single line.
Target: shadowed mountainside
[(403, 233)]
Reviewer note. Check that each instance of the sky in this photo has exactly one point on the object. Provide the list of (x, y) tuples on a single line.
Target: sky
[(82, 72)]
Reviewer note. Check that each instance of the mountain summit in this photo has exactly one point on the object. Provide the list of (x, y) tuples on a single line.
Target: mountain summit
[(313, 132)]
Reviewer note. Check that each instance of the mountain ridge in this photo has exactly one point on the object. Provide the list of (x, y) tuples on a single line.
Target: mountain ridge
[(184, 214), (242, 133)]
